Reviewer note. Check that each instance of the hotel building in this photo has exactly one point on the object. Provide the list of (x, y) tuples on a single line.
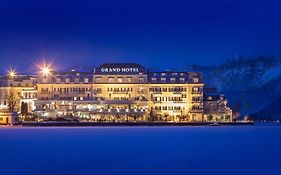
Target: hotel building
[(114, 92)]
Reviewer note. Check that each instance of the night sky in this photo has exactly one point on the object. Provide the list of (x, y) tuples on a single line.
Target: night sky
[(162, 34)]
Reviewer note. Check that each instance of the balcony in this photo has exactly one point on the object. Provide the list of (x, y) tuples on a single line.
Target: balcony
[(177, 92), (45, 92), (196, 92)]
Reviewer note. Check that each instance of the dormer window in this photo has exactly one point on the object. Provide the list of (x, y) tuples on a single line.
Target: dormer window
[(111, 79), (86, 80), (44, 80), (98, 80), (195, 80), (129, 79), (182, 80), (120, 79), (173, 80), (141, 80), (153, 80), (76, 80)]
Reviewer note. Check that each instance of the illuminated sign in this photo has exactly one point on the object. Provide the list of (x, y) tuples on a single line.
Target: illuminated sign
[(119, 70)]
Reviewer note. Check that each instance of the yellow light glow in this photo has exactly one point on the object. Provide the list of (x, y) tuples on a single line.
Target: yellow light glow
[(12, 73), (46, 69)]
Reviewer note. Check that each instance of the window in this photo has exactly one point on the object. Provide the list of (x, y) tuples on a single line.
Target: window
[(141, 80), (98, 90), (153, 80), (44, 80), (182, 80), (163, 74), (110, 79), (76, 80), (173, 80), (129, 79), (195, 89), (86, 80), (120, 79), (67, 80), (195, 80), (157, 108), (58, 80), (163, 80), (98, 80)]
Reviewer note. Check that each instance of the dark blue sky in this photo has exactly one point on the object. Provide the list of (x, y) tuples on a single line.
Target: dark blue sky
[(159, 33)]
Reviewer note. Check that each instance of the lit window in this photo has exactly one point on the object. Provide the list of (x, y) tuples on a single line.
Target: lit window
[(58, 80), (119, 79), (67, 80), (129, 79), (173, 80), (86, 80), (195, 80), (141, 80), (111, 79), (76, 80), (163, 80), (98, 80), (182, 80), (195, 89)]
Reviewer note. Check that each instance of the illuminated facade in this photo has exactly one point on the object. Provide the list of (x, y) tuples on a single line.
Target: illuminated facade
[(116, 92)]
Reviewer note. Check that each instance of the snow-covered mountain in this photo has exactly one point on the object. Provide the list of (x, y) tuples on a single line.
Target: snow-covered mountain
[(250, 83)]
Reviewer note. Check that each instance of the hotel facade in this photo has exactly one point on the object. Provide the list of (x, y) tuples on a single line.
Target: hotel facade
[(116, 92)]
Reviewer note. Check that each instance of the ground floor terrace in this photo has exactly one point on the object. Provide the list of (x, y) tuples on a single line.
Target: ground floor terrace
[(113, 111)]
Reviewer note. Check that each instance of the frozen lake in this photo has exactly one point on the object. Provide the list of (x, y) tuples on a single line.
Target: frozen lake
[(141, 150)]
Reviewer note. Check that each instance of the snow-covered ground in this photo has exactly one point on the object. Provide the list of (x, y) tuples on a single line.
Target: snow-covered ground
[(141, 150)]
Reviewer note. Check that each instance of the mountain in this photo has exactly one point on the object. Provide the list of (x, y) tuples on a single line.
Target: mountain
[(270, 112), (250, 84)]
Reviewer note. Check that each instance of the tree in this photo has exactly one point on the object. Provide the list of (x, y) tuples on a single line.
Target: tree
[(152, 115), (11, 100), (24, 109), (210, 117)]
